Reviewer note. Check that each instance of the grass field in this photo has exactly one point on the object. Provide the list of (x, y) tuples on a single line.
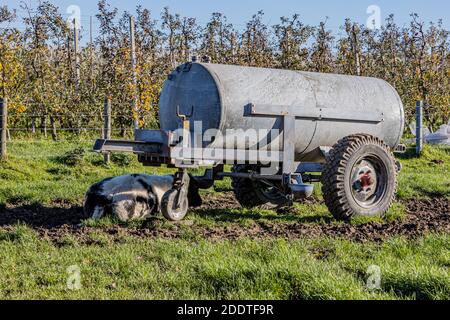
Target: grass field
[(220, 251)]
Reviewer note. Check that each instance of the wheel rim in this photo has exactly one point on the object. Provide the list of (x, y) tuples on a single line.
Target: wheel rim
[(173, 211), (368, 181), (178, 213)]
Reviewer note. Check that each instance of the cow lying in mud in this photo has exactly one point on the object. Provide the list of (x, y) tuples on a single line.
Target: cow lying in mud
[(132, 197)]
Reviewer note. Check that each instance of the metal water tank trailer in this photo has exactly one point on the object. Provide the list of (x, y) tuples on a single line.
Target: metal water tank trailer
[(335, 129), (327, 107)]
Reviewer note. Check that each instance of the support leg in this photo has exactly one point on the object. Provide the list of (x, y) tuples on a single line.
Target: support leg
[(288, 144)]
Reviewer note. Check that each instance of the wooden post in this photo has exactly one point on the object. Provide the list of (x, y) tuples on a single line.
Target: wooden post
[(44, 125), (76, 49), (33, 124), (133, 69), (419, 127), (76, 45), (107, 125), (355, 51), (91, 51), (3, 127), (54, 131)]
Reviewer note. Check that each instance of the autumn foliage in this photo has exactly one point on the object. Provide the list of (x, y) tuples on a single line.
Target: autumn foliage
[(38, 71)]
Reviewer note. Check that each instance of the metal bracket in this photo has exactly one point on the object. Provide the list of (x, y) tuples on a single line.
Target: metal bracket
[(207, 180), (303, 167), (319, 114), (185, 116), (400, 149), (181, 184), (288, 143), (296, 188), (102, 146)]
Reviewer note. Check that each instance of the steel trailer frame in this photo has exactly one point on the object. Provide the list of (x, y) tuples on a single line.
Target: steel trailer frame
[(158, 147)]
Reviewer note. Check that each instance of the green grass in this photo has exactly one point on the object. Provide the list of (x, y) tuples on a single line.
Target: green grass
[(427, 176), (115, 267), (244, 269), (45, 172)]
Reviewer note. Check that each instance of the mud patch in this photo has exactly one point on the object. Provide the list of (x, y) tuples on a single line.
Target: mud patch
[(60, 224), (37, 216)]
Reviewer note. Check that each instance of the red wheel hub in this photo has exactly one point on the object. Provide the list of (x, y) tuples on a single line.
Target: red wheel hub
[(366, 181)]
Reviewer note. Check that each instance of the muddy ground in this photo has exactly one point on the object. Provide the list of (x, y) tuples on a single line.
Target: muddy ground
[(61, 221)]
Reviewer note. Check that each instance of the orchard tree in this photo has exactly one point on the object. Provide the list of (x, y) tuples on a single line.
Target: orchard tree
[(219, 40), (292, 37), (322, 50), (256, 49), (12, 73)]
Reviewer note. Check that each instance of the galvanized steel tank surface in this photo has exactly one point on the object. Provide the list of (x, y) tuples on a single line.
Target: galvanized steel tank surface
[(220, 95)]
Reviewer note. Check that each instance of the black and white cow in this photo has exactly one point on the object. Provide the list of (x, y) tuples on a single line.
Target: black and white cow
[(130, 197)]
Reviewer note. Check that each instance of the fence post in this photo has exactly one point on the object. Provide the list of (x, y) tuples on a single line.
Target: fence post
[(133, 69), (54, 131), (3, 127), (355, 52), (76, 36), (107, 125), (419, 127)]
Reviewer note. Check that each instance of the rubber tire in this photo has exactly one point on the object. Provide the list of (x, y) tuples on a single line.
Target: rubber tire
[(167, 207), (337, 171), (249, 193)]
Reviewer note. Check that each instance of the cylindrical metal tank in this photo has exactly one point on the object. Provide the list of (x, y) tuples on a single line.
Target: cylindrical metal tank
[(221, 93)]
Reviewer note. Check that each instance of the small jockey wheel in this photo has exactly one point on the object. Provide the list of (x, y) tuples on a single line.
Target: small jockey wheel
[(175, 204)]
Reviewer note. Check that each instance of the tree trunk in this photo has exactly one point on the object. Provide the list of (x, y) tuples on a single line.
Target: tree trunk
[(44, 126), (33, 125), (79, 124), (54, 132)]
